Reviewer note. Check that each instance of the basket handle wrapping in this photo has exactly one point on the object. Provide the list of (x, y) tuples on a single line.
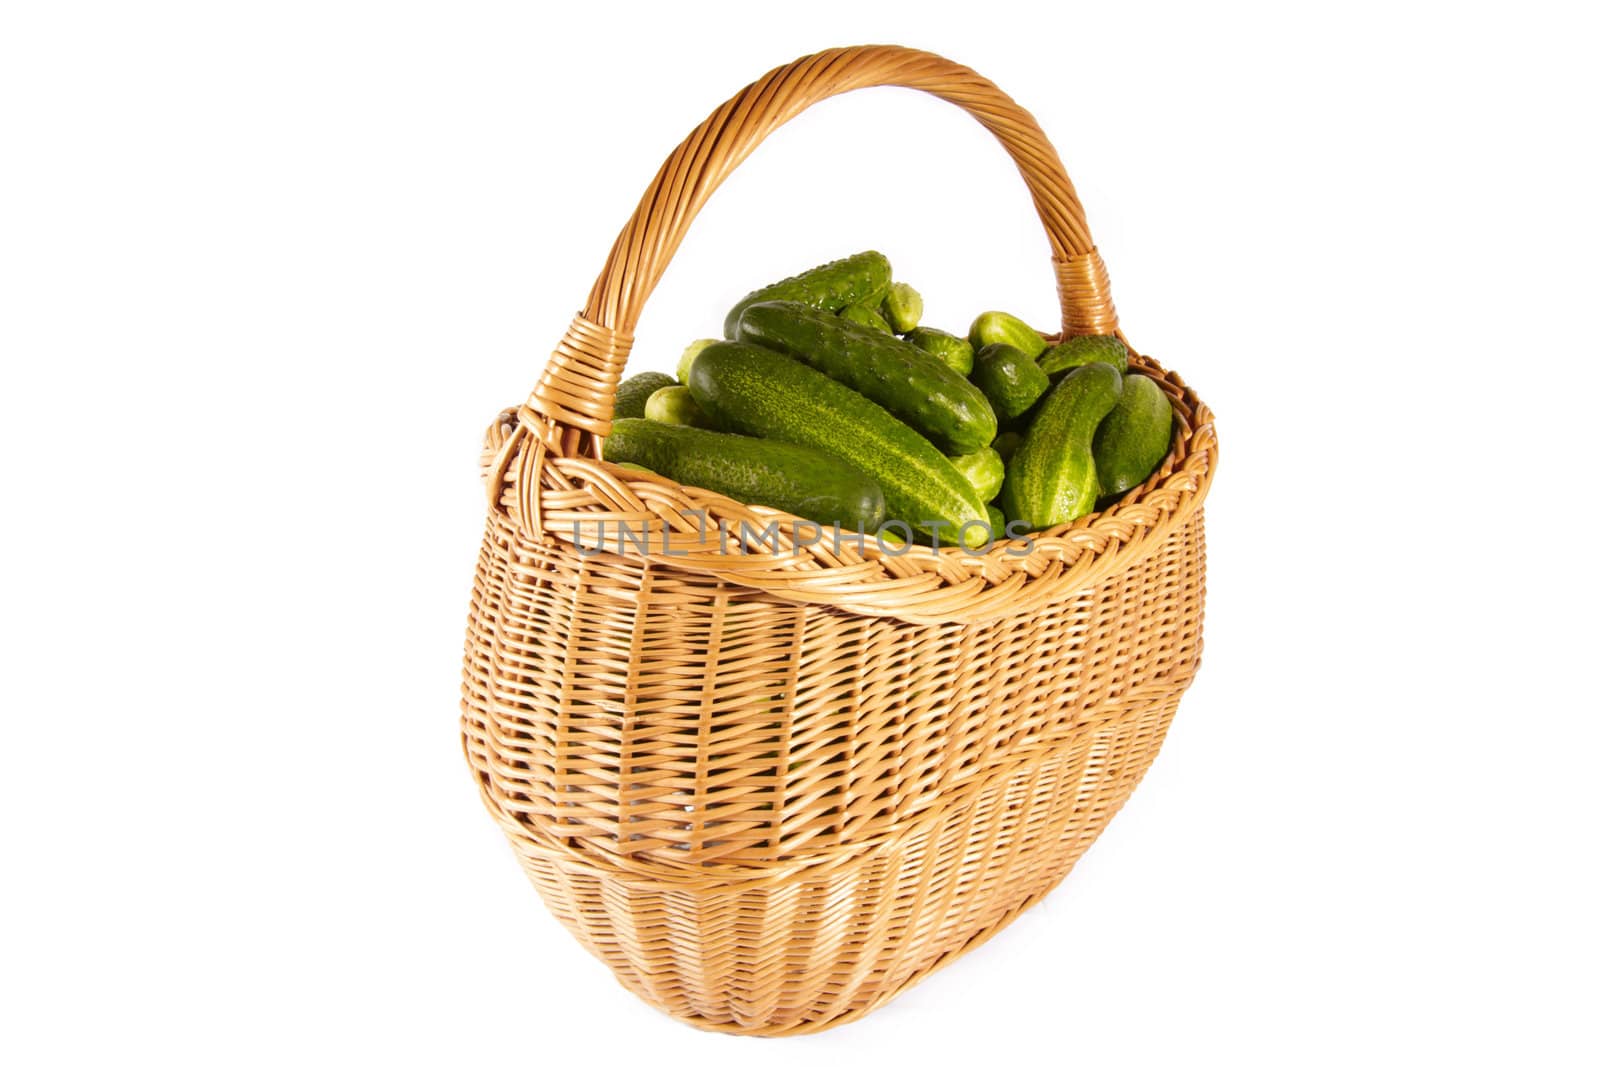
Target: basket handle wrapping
[(571, 405)]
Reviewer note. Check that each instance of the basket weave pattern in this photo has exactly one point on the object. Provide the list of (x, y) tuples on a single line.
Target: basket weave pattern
[(773, 787)]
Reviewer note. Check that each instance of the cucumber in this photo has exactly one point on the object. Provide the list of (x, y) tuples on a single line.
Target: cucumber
[(1133, 440), (954, 352), (686, 360), (1006, 444), (1052, 479), (914, 386), (675, 407), (865, 316), (634, 392), (1010, 379), (902, 307), (792, 478), (997, 522), (1077, 351), (984, 469), (859, 279), (756, 391), (998, 328)]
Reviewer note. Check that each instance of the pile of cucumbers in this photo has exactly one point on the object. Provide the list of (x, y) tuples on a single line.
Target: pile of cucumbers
[(828, 399)]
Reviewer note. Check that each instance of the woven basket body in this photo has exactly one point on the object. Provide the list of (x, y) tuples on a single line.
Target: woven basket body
[(772, 785)]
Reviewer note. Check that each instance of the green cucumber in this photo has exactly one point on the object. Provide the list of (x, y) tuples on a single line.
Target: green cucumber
[(675, 407), (954, 352), (984, 469), (1051, 479), (914, 386), (865, 316), (1078, 351), (902, 307), (756, 391), (793, 478), (634, 392), (1010, 379), (1006, 444), (859, 279), (998, 328), (1133, 440), (686, 360), (997, 522)]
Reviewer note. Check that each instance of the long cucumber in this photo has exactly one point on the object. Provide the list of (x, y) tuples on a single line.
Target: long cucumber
[(794, 478), (859, 279), (756, 391), (1133, 440), (915, 386), (1051, 479)]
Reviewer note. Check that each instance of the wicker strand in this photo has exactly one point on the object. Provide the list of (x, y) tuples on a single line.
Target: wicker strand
[(580, 380), (1085, 292)]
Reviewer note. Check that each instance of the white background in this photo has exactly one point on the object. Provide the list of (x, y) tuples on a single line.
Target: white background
[(267, 270)]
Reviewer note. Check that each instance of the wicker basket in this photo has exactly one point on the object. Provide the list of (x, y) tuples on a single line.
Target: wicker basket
[(772, 788)]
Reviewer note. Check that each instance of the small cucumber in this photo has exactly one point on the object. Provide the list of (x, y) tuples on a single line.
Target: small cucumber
[(1006, 444), (1077, 351), (756, 391), (634, 392), (1052, 479), (955, 352), (865, 316), (686, 360), (792, 478), (902, 307), (997, 522), (1010, 379), (998, 328), (859, 279), (1133, 440), (984, 469), (675, 407), (914, 386)]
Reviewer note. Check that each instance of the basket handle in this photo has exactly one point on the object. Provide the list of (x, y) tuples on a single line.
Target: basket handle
[(571, 405)]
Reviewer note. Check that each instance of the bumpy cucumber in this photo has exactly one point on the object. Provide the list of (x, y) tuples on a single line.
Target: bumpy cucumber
[(1010, 379), (902, 307), (1051, 479), (1006, 444), (1133, 440), (760, 392), (686, 360), (865, 316), (859, 279), (675, 407), (984, 469), (954, 352), (802, 481), (1078, 351), (913, 385), (634, 392), (997, 522), (998, 328)]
